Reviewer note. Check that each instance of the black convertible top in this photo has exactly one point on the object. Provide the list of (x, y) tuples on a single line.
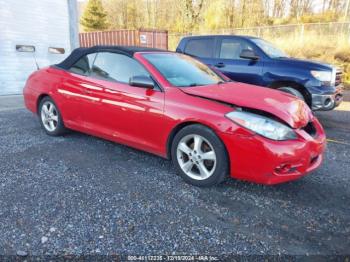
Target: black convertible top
[(82, 51)]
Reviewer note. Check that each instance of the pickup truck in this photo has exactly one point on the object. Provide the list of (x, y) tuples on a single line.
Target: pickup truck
[(255, 61)]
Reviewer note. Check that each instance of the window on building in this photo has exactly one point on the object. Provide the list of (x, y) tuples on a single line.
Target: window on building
[(25, 48), (200, 47), (56, 50)]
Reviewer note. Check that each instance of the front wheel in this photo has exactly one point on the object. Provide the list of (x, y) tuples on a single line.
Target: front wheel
[(200, 156), (292, 91)]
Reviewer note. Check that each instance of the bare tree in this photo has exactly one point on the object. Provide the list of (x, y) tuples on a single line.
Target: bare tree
[(192, 12)]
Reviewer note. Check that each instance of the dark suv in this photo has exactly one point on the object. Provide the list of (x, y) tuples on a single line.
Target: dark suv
[(255, 61)]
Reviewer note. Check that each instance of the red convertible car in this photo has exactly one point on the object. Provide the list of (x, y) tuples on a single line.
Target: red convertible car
[(176, 107)]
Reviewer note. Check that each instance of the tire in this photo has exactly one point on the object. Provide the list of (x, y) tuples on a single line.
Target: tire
[(50, 117), (292, 91), (199, 156)]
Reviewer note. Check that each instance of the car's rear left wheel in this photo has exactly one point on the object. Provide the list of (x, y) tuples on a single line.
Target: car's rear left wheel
[(200, 156), (50, 117)]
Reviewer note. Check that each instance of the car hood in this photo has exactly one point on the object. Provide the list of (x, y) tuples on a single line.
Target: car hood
[(286, 107), (304, 63)]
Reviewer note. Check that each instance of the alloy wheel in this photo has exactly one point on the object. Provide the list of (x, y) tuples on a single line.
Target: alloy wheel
[(196, 157), (49, 116)]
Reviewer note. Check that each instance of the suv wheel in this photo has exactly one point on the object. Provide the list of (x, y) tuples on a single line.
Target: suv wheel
[(292, 91)]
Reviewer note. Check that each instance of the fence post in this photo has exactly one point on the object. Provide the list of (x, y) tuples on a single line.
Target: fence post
[(167, 40), (301, 37)]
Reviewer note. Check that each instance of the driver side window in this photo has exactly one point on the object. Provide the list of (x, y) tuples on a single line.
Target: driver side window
[(232, 48), (116, 67)]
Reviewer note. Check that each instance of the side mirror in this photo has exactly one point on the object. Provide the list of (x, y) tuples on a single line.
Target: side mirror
[(178, 50), (142, 81), (248, 54)]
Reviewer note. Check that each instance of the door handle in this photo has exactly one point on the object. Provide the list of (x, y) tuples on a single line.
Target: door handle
[(220, 65)]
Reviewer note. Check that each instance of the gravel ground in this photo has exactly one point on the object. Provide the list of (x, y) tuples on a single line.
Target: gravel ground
[(82, 195)]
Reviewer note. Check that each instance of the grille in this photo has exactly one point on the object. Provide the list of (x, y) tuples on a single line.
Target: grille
[(338, 77), (310, 129)]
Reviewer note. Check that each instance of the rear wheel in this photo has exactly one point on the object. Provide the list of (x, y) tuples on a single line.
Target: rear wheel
[(199, 156), (292, 91), (50, 117)]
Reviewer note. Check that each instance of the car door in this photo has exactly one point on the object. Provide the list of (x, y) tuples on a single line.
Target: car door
[(228, 61), (124, 113), (72, 91)]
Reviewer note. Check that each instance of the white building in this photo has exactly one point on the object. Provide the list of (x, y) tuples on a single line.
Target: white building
[(45, 25)]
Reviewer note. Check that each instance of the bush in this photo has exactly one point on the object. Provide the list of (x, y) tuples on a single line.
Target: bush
[(343, 56), (346, 76)]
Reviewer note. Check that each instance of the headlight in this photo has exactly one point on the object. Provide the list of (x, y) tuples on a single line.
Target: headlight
[(262, 125), (323, 76)]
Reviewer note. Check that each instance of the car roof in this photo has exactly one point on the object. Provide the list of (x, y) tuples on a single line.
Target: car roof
[(206, 36), (82, 51), (129, 50)]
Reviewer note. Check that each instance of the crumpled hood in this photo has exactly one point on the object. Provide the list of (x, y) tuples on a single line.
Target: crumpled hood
[(286, 107)]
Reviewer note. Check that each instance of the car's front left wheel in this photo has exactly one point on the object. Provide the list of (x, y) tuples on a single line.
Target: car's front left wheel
[(200, 156), (50, 117)]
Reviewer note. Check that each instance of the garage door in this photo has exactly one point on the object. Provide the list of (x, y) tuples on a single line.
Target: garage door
[(27, 24)]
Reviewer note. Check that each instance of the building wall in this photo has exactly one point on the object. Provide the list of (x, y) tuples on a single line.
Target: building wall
[(43, 24)]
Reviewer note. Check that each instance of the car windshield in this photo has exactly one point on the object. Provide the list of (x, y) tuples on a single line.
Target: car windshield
[(269, 48), (182, 70)]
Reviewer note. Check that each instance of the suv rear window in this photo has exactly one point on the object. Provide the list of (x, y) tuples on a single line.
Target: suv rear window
[(200, 47)]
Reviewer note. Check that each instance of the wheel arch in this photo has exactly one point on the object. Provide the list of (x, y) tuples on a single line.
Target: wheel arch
[(295, 85), (39, 99), (180, 126)]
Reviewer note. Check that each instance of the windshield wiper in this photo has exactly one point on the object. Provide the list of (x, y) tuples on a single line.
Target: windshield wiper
[(225, 81), (190, 85), (199, 84)]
